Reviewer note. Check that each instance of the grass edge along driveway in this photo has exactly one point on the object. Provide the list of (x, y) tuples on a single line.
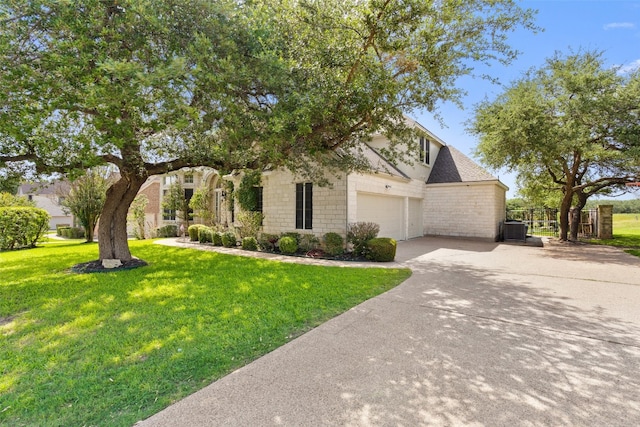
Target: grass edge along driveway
[(114, 348)]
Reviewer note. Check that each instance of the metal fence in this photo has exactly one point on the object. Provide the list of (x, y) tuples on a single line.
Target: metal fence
[(546, 221)]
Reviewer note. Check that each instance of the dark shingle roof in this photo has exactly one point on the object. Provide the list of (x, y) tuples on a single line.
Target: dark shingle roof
[(453, 166)]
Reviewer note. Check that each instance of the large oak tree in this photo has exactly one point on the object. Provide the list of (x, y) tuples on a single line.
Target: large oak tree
[(152, 86), (571, 126)]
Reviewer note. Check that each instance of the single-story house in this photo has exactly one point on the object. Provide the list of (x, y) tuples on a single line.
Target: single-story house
[(443, 193)]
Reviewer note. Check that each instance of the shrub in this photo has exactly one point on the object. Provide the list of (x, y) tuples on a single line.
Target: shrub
[(72, 232), (360, 233), (268, 241), (333, 244), (60, 230), (381, 249), (205, 234), (194, 232), (229, 239), (308, 242), (288, 245), (250, 243), (170, 230), (294, 235), (250, 223), (216, 237), (22, 226)]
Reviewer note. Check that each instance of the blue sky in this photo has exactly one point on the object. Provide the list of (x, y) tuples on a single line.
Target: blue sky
[(611, 26)]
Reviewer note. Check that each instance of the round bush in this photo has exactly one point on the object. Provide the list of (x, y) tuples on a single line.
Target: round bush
[(217, 238), (250, 244), (22, 226), (288, 245), (193, 231), (205, 235), (229, 239), (333, 244), (381, 249)]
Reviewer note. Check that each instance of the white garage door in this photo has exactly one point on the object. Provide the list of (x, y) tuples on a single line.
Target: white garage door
[(386, 211)]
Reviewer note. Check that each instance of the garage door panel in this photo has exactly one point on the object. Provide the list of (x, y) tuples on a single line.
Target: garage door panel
[(387, 212)]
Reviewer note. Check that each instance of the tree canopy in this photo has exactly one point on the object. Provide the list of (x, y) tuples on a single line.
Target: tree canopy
[(571, 126), (154, 86)]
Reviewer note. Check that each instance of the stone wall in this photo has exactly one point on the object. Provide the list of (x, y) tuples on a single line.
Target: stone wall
[(473, 210)]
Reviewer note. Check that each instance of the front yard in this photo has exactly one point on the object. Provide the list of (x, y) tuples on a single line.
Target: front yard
[(114, 348)]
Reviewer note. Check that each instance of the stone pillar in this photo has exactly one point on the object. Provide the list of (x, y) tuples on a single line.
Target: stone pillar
[(605, 221)]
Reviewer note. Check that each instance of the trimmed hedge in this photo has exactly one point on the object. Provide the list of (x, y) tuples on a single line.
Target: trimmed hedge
[(288, 245), (381, 249), (71, 232), (333, 244), (170, 230), (193, 231), (205, 234), (22, 226), (229, 239), (250, 244), (217, 238)]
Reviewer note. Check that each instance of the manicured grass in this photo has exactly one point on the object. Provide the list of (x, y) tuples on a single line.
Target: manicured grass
[(114, 348), (626, 233)]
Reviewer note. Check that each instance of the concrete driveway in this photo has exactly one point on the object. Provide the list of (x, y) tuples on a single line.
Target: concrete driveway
[(481, 334)]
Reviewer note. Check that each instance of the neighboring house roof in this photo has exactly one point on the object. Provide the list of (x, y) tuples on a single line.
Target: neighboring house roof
[(380, 164), (43, 188), (453, 166)]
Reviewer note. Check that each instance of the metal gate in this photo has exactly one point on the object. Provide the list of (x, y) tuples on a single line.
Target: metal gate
[(546, 221)]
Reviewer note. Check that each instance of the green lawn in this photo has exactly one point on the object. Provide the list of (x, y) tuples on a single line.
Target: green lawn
[(114, 348), (626, 233)]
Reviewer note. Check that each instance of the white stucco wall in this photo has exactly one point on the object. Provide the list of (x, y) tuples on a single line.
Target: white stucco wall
[(472, 210)]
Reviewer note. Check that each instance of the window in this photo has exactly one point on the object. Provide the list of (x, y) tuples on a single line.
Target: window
[(304, 206), (188, 179), (258, 199), (188, 194), (425, 148), (169, 179), (168, 214)]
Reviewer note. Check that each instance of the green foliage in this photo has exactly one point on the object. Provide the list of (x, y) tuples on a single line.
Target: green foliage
[(333, 244), (193, 231), (247, 192), (70, 232), (308, 242), (569, 127), (250, 223), (119, 347), (250, 243), (288, 245), (381, 249), (293, 234), (137, 214), (229, 239), (153, 88), (86, 197), (359, 234), (619, 206), (22, 226), (217, 238), (201, 205), (205, 234), (268, 241), (170, 230), (7, 199), (175, 200)]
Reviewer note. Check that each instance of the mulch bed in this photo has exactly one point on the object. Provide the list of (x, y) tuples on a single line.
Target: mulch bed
[(96, 266)]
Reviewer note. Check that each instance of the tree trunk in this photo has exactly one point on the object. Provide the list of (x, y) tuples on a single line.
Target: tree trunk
[(112, 231), (577, 214), (88, 234), (565, 207)]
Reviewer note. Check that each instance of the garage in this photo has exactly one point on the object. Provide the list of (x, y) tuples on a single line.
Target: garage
[(389, 213)]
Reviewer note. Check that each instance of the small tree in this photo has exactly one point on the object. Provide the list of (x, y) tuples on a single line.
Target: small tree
[(137, 215), (175, 200), (85, 198), (8, 199), (201, 205)]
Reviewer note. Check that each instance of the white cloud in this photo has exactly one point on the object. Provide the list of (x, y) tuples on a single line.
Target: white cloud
[(631, 66), (620, 25)]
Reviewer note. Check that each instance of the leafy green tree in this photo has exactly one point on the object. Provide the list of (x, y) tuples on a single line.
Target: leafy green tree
[(86, 197), (175, 200), (155, 86), (201, 205), (8, 199), (137, 214), (571, 126)]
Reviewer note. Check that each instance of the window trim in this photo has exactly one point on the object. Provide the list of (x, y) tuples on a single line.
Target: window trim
[(304, 206)]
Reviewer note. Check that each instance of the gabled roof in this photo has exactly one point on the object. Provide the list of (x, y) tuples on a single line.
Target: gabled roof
[(379, 163), (453, 166)]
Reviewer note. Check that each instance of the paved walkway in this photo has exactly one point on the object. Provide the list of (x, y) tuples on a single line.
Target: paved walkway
[(481, 334)]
